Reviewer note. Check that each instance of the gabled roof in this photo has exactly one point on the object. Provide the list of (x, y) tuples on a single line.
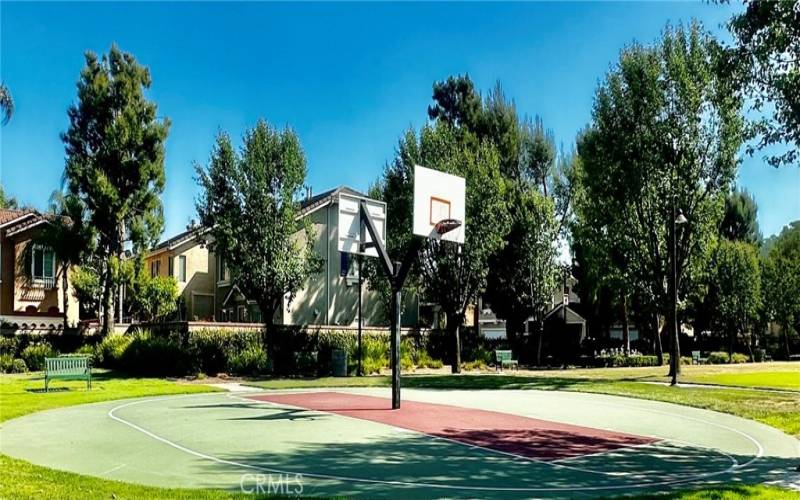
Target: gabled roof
[(572, 316), (307, 206), (310, 205), (9, 216), (178, 239), (16, 221)]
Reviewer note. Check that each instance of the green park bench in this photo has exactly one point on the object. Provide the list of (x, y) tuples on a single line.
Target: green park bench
[(698, 359), (67, 368), (504, 359)]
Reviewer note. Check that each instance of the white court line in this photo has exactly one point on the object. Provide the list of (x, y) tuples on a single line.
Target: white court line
[(212, 458), (113, 469)]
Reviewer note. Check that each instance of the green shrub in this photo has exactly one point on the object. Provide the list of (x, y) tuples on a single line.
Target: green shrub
[(740, 358), (9, 346), (154, 355), (251, 360), (86, 350), (18, 366), (718, 358), (376, 354), (721, 358), (35, 354), (109, 352), (9, 364), (478, 364)]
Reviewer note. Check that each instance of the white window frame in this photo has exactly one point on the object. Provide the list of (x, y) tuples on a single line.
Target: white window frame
[(43, 278), (223, 273), (182, 268)]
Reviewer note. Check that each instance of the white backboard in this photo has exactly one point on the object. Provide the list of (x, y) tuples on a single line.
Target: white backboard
[(351, 232), (438, 196)]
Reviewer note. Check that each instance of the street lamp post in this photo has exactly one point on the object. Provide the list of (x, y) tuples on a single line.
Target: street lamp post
[(675, 351)]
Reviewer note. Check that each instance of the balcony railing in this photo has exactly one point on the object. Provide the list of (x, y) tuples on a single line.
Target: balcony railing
[(46, 283)]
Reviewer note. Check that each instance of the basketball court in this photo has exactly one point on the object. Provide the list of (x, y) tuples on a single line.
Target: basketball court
[(439, 444)]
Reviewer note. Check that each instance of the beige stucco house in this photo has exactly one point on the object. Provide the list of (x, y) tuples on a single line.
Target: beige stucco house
[(31, 278), (330, 297)]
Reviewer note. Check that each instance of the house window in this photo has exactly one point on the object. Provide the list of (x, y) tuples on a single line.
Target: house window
[(223, 273), (171, 266), (155, 268), (43, 265), (182, 268)]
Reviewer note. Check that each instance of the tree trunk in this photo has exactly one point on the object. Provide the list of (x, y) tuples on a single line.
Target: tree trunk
[(731, 342), (786, 340), (626, 339), (108, 301), (657, 341), (65, 294), (540, 326), (454, 327)]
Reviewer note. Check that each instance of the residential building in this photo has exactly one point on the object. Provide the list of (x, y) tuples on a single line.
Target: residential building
[(31, 279), (330, 296)]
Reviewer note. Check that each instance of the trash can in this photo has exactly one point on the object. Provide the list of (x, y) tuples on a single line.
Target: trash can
[(339, 362)]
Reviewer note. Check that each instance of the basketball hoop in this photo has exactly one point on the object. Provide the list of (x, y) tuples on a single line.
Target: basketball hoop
[(446, 225)]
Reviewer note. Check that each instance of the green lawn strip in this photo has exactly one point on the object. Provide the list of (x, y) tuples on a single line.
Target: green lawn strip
[(768, 380), (731, 492), (23, 394), (780, 410), (22, 479)]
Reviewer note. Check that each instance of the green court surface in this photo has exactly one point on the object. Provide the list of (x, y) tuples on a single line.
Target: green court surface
[(230, 441)]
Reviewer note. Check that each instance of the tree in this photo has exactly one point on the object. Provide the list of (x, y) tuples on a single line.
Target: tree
[(665, 131), (86, 285), (115, 163), (524, 273), (735, 290), (249, 205), (781, 281), (767, 59), (740, 219), (67, 236), (7, 201), (523, 276), (450, 274), (152, 298), (6, 104)]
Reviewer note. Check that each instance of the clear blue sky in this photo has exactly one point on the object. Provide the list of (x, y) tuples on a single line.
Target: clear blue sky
[(348, 77)]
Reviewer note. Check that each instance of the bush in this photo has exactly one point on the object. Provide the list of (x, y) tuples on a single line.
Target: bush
[(478, 364), (35, 354), (155, 355), (9, 364), (375, 354), (9, 346), (620, 360), (740, 358), (252, 360), (722, 358), (108, 353)]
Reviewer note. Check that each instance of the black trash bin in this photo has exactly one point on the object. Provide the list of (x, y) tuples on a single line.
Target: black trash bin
[(339, 363)]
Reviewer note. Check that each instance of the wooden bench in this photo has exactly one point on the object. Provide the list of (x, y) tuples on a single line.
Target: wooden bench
[(67, 368), (505, 358)]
